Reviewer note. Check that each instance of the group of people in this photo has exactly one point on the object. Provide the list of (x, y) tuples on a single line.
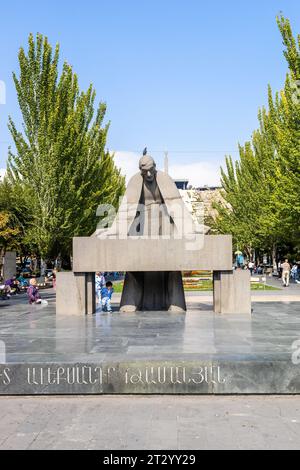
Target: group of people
[(254, 269), (104, 292), (10, 287), (286, 271), (15, 285)]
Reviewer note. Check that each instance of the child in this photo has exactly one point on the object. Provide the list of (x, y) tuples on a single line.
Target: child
[(100, 283), (106, 294), (33, 293), (22, 281)]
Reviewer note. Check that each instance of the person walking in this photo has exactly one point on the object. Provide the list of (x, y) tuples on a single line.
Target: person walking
[(251, 267), (279, 269), (286, 271)]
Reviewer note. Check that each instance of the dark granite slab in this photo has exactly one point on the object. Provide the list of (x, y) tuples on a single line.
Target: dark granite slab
[(149, 352)]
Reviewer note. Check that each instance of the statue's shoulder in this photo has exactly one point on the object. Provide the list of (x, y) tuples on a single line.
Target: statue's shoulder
[(166, 185), (135, 180), (134, 188)]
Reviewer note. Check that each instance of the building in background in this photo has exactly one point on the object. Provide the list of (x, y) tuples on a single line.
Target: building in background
[(181, 184), (199, 201)]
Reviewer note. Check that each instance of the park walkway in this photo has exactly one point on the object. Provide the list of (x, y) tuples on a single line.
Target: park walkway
[(150, 422)]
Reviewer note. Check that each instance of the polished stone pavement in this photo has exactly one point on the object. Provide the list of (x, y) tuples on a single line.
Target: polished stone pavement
[(255, 353), (35, 334)]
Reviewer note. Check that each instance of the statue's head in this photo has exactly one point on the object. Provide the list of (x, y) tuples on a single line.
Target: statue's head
[(148, 168)]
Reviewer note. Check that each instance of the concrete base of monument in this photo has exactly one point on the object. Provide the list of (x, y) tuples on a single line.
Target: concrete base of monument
[(197, 352)]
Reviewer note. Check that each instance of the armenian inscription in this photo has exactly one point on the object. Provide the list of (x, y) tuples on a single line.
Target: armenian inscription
[(93, 378)]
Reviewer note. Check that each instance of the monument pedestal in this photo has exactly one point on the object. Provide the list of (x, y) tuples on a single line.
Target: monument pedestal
[(153, 239), (198, 352), (153, 291), (9, 265), (75, 293), (232, 292)]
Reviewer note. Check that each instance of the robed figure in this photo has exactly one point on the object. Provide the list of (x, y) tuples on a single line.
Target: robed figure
[(151, 208)]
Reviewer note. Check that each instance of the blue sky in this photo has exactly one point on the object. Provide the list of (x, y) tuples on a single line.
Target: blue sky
[(186, 76)]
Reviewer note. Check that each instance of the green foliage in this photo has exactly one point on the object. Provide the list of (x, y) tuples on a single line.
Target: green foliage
[(16, 211), (60, 155), (261, 189), (7, 231), (292, 46)]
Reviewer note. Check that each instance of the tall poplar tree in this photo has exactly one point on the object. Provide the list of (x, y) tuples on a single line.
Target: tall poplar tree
[(284, 121), (60, 155), (261, 188)]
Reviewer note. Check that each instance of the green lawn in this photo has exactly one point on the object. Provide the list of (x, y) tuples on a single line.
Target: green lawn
[(205, 285), (118, 286), (259, 286)]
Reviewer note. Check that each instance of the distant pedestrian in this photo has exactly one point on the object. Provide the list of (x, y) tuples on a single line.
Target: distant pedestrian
[(260, 269), (286, 271), (298, 273), (106, 294), (279, 269), (100, 283), (251, 267), (294, 272), (239, 260)]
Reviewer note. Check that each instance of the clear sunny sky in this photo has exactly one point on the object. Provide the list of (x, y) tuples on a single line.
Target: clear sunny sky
[(186, 76)]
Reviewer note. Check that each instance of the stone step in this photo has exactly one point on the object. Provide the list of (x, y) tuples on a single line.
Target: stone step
[(222, 376)]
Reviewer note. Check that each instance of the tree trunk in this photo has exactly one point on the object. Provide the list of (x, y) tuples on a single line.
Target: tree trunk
[(248, 252), (274, 257), (2, 254), (43, 267)]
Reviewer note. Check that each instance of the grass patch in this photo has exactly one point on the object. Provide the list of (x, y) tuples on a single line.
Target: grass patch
[(205, 285), (200, 285), (118, 286), (260, 286)]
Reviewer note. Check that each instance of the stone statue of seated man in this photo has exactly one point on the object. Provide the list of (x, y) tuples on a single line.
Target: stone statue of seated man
[(155, 290)]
